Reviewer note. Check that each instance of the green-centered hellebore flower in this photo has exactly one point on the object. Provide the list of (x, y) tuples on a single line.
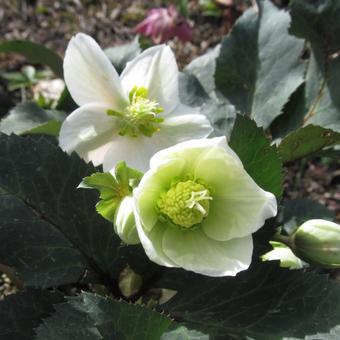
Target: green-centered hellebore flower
[(197, 208), (127, 117)]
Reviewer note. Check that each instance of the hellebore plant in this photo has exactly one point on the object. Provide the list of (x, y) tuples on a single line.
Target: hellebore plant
[(197, 208), (162, 24), (127, 117)]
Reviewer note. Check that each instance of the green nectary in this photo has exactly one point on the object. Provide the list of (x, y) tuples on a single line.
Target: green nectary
[(186, 203), (140, 117)]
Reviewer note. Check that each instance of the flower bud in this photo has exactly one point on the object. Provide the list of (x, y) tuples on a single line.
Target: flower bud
[(318, 242), (124, 221)]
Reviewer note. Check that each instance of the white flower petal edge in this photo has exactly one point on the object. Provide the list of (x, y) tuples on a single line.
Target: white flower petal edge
[(194, 251), (90, 76), (193, 144), (88, 131), (155, 69)]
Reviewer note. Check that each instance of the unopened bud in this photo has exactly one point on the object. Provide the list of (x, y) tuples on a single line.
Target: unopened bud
[(124, 221), (318, 242)]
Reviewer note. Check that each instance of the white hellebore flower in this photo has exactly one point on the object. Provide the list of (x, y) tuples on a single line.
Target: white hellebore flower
[(197, 208), (127, 117)]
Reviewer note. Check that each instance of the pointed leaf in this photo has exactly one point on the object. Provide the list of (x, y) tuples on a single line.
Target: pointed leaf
[(21, 313), (259, 158), (103, 318), (318, 22), (306, 141), (259, 65), (264, 302), (39, 174)]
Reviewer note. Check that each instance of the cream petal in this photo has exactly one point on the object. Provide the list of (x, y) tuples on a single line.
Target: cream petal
[(89, 131), (194, 251), (156, 70), (90, 76)]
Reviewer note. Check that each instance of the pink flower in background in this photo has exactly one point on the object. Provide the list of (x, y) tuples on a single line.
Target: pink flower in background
[(162, 24)]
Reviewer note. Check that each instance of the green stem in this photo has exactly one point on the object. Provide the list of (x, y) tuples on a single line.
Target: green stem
[(287, 240)]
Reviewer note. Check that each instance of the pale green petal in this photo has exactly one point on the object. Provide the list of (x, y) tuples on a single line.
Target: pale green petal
[(191, 151), (153, 183), (152, 243), (243, 212), (194, 251), (227, 170), (239, 206)]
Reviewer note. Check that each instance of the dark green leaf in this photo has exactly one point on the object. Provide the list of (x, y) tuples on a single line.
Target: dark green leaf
[(318, 22), (21, 313), (35, 53), (259, 158), (191, 91), (68, 323), (292, 116), (265, 302), (203, 68), (120, 55), (30, 118), (259, 65), (5, 104), (38, 173), (306, 141), (103, 318), (38, 251), (221, 116)]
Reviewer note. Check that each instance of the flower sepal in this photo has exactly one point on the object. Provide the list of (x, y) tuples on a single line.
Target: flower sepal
[(113, 188)]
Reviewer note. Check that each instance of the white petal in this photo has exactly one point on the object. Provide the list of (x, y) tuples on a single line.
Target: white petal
[(193, 250), (156, 70), (89, 131), (152, 243), (181, 128), (90, 76), (135, 151)]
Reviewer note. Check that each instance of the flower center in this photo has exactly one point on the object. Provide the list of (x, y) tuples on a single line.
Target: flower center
[(185, 204), (141, 116)]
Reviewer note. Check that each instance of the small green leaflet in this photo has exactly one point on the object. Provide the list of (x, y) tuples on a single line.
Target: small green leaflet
[(112, 189)]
